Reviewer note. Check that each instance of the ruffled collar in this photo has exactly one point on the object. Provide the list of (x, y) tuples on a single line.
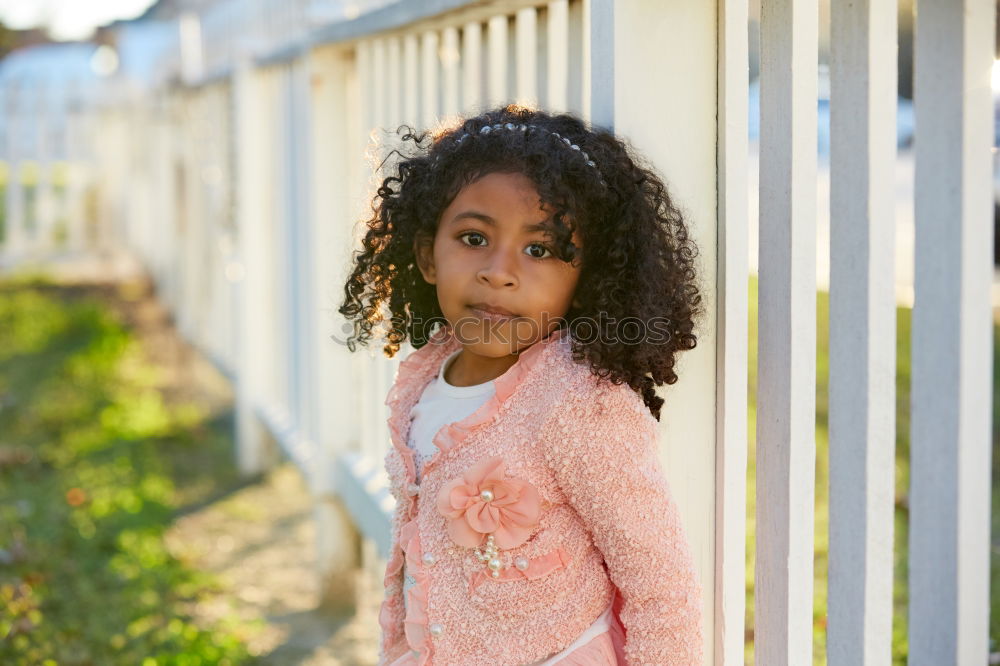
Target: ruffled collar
[(421, 366)]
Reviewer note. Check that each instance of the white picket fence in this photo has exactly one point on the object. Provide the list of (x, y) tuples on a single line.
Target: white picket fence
[(242, 191), (46, 175)]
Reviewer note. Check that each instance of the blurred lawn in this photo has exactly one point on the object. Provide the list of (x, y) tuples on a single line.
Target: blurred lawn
[(94, 465), (899, 644)]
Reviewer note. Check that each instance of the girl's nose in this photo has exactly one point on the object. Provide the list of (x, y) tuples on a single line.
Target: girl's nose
[(498, 271)]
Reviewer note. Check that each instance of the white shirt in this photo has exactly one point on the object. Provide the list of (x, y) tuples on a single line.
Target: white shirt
[(440, 404)]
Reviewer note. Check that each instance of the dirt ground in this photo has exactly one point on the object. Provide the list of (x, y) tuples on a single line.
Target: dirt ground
[(261, 541)]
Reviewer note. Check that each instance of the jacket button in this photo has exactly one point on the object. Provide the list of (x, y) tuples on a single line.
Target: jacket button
[(436, 630), (429, 559), (413, 489)]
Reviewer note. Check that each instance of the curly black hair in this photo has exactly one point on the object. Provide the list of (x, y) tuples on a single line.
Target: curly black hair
[(638, 261)]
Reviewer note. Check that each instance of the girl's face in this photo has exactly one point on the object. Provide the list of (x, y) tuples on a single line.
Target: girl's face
[(489, 252)]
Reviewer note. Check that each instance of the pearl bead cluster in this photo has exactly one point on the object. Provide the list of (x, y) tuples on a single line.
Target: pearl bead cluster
[(491, 554), (523, 128)]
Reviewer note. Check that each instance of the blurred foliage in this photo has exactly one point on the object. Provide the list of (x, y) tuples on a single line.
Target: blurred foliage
[(94, 464), (821, 535)]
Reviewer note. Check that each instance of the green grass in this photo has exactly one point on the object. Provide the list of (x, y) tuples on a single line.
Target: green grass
[(94, 464), (899, 644)]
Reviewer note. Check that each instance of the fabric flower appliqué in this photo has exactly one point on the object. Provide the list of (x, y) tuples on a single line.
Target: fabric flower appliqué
[(484, 504)]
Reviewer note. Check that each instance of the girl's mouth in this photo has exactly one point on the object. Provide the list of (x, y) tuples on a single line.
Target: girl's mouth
[(490, 315)]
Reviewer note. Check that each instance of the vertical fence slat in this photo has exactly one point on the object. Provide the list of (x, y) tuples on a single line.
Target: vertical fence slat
[(429, 78), (379, 82), (394, 93), (679, 136), (578, 85), (301, 318), (526, 55), (786, 385), (250, 132), (14, 211), (732, 352), (369, 411), (951, 346), (496, 81), (557, 56), (43, 174), (450, 60), (363, 53), (472, 65), (411, 84), (599, 82), (285, 231), (862, 332), (330, 223), (388, 367)]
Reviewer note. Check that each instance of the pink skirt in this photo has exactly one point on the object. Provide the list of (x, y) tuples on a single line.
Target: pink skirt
[(607, 649)]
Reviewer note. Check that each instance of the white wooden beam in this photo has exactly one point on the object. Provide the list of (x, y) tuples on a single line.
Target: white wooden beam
[(331, 223), (557, 55), (496, 80), (731, 348), (305, 407), (429, 89), (411, 82), (786, 384), (679, 136), (364, 64), (254, 449), (450, 62), (472, 66), (526, 56), (949, 543), (862, 332), (394, 95), (379, 81), (601, 23)]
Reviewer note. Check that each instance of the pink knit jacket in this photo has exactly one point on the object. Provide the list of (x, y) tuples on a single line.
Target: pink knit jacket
[(562, 469)]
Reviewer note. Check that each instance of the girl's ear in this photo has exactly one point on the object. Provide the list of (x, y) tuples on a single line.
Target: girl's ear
[(423, 250)]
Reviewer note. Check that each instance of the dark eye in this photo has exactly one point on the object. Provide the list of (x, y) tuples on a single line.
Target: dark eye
[(473, 233), (541, 247)]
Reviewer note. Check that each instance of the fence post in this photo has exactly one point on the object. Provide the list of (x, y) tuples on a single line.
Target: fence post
[(336, 432), (678, 134), (862, 402), (951, 395), (732, 345), (786, 370), (255, 448)]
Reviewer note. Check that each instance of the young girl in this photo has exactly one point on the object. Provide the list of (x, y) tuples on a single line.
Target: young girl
[(547, 283)]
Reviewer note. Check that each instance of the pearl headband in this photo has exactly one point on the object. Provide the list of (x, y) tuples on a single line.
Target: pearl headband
[(487, 129)]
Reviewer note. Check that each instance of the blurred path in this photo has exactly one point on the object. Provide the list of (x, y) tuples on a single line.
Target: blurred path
[(261, 541)]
